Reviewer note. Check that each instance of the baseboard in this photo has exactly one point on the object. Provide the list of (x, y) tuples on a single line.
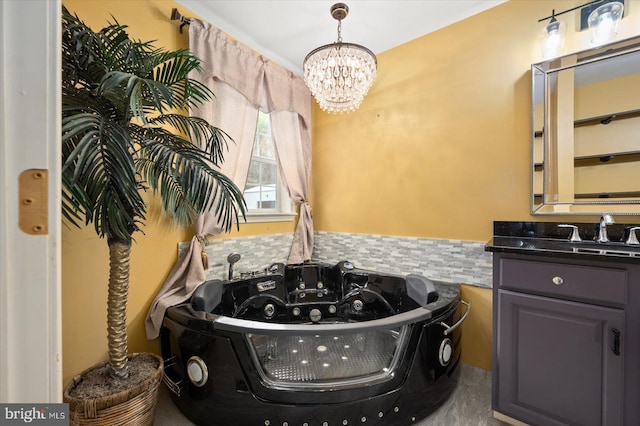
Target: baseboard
[(507, 419)]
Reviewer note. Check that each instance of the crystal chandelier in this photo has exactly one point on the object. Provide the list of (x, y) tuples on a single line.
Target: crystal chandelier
[(339, 75)]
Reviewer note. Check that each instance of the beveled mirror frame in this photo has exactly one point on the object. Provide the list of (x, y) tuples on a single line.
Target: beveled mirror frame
[(558, 167)]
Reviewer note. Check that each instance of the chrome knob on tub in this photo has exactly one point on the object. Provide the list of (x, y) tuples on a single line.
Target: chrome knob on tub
[(197, 371), (269, 310), (557, 280), (357, 305), (315, 315), (445, 352)]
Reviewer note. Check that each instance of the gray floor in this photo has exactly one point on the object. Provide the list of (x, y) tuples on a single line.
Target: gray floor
[(470, 404)]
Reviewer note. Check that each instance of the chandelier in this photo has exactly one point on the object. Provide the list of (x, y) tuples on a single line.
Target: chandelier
[(339, 75)]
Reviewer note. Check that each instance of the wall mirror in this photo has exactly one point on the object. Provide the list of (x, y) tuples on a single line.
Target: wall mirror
[(586, 132)]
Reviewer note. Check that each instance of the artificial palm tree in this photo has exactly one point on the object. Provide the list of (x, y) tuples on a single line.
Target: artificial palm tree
[(123, 133)]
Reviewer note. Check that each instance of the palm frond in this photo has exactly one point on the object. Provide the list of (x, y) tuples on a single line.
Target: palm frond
[(187, 184), (119, 52), (193, 92), (213, 140), (98, 168), (119, 100), (79, 65), (173, 67)]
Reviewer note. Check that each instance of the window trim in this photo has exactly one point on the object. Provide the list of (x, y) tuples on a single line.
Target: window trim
[(270, 217)]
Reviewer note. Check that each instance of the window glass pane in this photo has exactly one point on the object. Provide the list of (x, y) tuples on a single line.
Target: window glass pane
[(268, 204), (269, 174), (253, 179), (262, 190), (264, 144)]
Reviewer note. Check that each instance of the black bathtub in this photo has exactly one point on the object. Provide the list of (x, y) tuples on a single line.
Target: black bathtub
[(313, 344)]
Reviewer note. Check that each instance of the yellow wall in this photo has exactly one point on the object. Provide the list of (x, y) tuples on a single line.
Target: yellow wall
[(85, 256), (476, 330), (440, 147)]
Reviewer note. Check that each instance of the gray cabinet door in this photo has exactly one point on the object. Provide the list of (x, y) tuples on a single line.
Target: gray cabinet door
[(557, 364)]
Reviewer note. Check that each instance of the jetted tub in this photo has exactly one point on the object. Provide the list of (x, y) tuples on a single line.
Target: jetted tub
[(313, 344)]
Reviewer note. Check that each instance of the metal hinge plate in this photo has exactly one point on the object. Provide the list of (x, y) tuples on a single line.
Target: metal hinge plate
[(33, 208)]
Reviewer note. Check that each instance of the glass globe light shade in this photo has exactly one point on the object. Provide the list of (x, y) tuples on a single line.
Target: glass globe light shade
[(603, 22), (552, 38)]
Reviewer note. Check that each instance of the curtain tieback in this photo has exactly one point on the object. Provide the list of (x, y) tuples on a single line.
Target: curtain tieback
[(307, 206), (203, 254)]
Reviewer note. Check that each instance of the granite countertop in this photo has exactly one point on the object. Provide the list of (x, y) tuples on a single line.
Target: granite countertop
[(546, 238)]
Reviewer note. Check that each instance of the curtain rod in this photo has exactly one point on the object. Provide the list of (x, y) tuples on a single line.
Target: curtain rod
[(176, 16)]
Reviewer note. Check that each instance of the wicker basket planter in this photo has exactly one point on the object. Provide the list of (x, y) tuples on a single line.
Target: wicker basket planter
[(131, 407)]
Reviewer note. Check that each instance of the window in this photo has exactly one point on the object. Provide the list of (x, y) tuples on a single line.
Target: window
[(265, 194)]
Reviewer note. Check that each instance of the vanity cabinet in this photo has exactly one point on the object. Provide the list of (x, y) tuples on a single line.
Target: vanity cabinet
[(565, 340)]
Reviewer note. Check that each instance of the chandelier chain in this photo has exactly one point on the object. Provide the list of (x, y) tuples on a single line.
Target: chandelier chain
[(339, 30)]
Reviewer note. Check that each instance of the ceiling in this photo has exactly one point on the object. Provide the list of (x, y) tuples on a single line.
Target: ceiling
[(286, 30)]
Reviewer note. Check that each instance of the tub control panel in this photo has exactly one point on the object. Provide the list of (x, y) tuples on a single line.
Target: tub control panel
[(309, 284), (311, 292)]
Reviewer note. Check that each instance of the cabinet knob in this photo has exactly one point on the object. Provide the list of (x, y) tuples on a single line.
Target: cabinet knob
[(557, 280)]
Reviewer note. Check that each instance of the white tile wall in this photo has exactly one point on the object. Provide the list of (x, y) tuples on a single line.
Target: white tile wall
[(455, 261), (445, 260)]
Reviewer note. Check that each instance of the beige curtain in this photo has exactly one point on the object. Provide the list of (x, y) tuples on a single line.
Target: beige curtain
[(291, 127), (243, 83), (294, 157)]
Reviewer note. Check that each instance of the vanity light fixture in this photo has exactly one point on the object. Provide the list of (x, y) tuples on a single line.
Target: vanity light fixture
[(339, 75), (603, 22), (552, 37)]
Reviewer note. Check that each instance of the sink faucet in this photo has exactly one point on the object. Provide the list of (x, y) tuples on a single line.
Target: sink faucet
[(605, 220)]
